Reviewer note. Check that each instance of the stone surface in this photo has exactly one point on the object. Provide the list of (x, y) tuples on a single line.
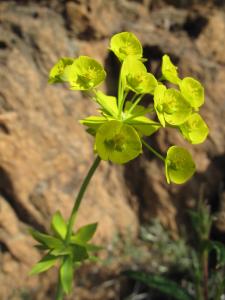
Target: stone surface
[(45, 152)]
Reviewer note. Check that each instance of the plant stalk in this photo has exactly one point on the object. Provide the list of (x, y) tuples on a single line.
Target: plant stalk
[(86, 181), (153, 150), (59, 293), (205, 273)]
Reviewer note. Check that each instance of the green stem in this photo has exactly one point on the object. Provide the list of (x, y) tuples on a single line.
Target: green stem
[(80, 197), (59, 293), (120, 93), (153, 150), (133, 98), (135, 104), (86, 181), (205, 258)]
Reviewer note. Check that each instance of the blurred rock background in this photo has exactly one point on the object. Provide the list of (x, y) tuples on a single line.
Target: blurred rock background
[(45, 152)]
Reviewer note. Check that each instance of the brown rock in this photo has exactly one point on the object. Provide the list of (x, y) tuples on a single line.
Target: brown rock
[(45, 153)]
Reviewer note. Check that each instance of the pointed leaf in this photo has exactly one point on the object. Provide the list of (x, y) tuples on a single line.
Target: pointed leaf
[(108, 103), (45, 239), (85, 233), (93, 122), (66, 274), (117, 142), (44, 264), (79, 252), (93, 248), (61, 251), (144, 125), (164, 285), (124, 44), (58, 225), (179, 165)]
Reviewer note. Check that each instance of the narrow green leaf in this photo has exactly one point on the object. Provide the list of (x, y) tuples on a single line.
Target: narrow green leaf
[(93, 248), (44, 264), (66, 274), (93, 122), (41, 247), (58, 225), (144, 125), (164, 285), (61, 251), (79, 252), (107, 103), (45, 239), (85, 233)]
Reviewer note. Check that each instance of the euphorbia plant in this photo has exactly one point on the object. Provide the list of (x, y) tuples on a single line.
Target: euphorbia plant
[(119, 131)]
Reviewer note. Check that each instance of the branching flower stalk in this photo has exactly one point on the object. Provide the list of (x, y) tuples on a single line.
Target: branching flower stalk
[(120, 131)]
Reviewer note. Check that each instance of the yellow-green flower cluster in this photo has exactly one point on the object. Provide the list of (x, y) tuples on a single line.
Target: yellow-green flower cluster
[(123, 122)]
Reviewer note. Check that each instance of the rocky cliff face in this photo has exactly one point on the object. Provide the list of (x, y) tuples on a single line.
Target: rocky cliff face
[(44, 152)]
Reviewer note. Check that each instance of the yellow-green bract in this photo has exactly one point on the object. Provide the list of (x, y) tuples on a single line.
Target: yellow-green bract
[(179, 165), (117, 142), (170, 106), (169, 70), (123, 121), (195, 129), (85, 73), (135, 77), (82, 73), (193, 91), (58, 69), (124, 44)]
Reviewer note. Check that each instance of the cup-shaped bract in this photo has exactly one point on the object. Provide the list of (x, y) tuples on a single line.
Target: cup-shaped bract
[(58, 69), (84, 74), (171, 107), (141, 83), (179, 165), (169, 70), (158, 103), (117, 142), (195, 130), (135, 77), (176, 108), (124, 44), (193, 91)]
